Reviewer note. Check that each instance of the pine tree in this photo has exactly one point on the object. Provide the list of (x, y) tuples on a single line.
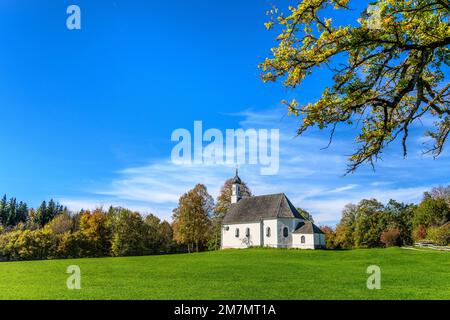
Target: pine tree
[(11, 219), (22, 212), (3, 211), (41, 214)]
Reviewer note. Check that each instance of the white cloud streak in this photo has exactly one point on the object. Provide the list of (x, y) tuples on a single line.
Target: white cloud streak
[(311, 177)]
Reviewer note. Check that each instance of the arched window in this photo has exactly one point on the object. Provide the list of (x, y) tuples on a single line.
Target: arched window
[(268, 232), (285, 232), (247, 232), (302, 239), (237, 233)]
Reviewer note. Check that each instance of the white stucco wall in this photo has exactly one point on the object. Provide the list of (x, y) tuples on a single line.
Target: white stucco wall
[(309, 241), (271, 241), (258, 235), (291, 224), (229, 239)]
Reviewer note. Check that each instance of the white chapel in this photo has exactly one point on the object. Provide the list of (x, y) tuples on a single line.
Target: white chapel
[(267, 221)]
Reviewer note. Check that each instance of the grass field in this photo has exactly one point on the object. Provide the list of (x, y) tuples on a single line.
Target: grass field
[(245, 274)]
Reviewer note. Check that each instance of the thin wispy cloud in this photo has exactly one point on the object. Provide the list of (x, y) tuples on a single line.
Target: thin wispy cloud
[(312, 178)]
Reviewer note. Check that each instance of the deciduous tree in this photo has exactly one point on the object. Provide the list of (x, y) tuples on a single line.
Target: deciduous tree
[(370, 223), (431, 212), (346, 228), (191, 219), (129, 234), (96, 227), (389, 69)]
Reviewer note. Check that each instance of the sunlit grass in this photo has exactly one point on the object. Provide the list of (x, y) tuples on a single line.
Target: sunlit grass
[(234, 274)]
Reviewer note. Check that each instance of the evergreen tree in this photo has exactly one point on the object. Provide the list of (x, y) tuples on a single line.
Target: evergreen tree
[(11, 219), (3, 211), (41, 214), (22, 212), (46, 212)]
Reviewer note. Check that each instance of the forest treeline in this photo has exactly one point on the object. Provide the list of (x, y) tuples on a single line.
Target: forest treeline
[(371, 224), (52, 231)]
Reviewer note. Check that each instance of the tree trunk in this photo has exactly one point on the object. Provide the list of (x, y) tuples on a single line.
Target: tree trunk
[(216, 244)]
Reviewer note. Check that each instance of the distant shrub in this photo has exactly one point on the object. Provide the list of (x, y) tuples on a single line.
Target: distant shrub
[(419, 233), (7, 245), (75, 245), (440, 235), (330, 237), (36, 245), (391, 238), (27, 245), (61, 224)]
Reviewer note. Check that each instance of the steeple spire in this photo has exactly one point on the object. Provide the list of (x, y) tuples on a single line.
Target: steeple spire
[(236, 179), (236, 188)]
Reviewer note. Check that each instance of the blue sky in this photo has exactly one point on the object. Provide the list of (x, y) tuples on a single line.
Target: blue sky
[(87, 115)]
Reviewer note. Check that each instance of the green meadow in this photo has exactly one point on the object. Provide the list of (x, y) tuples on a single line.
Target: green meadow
[(237, 274)]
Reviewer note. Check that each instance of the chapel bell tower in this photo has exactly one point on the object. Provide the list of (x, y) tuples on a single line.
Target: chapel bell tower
[(236, 189)]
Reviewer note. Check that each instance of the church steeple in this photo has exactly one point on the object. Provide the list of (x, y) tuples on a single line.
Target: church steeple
[(236, 188)]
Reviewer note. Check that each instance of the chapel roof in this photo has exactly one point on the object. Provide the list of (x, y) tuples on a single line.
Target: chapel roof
[(307, 227), (253, 209)]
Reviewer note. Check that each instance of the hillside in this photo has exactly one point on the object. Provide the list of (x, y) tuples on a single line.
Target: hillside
[(246, 274)]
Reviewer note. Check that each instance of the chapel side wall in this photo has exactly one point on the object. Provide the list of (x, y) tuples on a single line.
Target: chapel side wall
[(272, 240), (309, 241), (229, 239), (291, 224)]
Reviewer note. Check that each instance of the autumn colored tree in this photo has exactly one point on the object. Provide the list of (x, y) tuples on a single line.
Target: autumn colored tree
[(391, 238), (399, 217), (129, 234), (431, 212), (370, 223), (346, 228), (191, 219), (389, 69), (330, 237), (159, 235), (221, 208), (62, 223), (96, 227), (168, 244), (419, 233), (440, 235)]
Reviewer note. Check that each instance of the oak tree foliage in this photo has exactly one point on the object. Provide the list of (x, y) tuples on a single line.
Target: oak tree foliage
[(191, 219), (390, 69)]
